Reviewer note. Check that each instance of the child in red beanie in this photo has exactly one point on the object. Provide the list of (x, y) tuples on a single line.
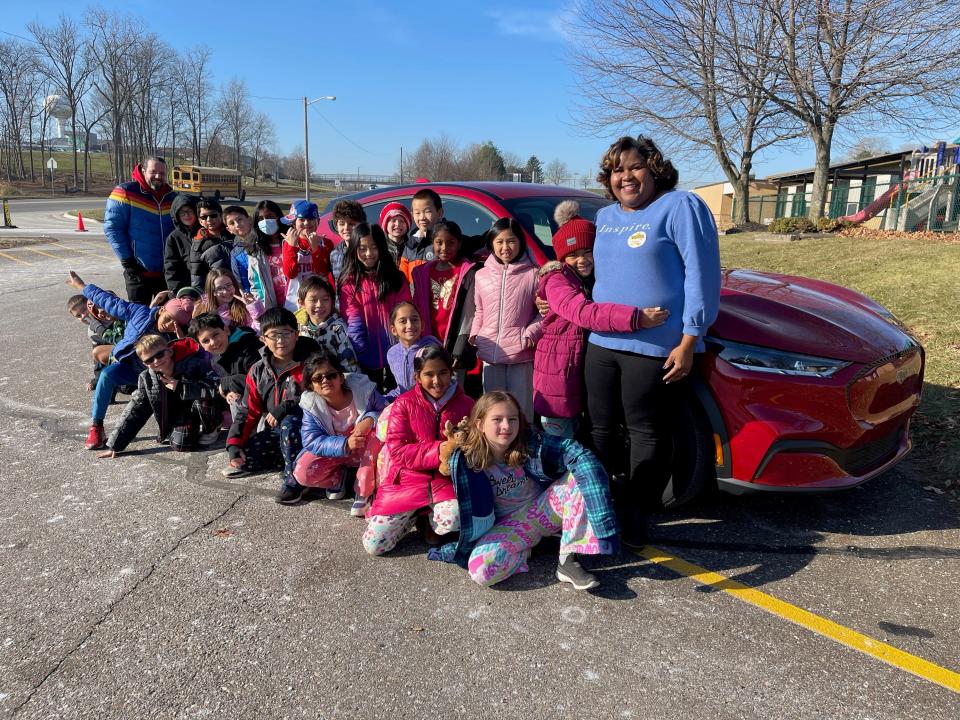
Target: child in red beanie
[(565, 285), (396, 221)]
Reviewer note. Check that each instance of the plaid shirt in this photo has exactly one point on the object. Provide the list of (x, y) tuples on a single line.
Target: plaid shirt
[(550, 458)]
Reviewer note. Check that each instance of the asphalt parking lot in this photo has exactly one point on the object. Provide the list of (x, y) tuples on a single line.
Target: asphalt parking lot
[(149, 586)]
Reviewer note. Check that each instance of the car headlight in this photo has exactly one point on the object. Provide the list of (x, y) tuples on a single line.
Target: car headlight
[(768, 360)]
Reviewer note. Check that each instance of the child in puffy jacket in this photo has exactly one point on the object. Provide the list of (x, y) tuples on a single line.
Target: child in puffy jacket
[(420, 425), (565, 286), (339, 414), (506, 324), (370, 287)]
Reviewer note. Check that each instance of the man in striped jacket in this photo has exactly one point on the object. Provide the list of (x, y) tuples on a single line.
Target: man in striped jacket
[(136, 222)]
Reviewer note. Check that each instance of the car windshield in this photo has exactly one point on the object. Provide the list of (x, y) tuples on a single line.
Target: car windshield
[(536, 214)]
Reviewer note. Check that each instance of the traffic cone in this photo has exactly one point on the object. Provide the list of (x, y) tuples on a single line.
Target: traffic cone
[(80, 227)]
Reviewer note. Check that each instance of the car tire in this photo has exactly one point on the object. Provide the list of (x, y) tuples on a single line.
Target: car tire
[(243, 195), (693, 469), (216, 195)]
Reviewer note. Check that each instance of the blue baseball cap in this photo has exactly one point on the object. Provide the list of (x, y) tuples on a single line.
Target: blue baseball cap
[(302, 209)]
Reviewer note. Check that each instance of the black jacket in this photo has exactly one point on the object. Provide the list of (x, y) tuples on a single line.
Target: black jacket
[(197, 382), (236, 361), (176, 249), (206, 254)]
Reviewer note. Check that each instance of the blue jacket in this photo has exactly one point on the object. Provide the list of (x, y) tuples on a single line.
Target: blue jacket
[(140, 319), (137, 224), (317, 431), (550, 458)]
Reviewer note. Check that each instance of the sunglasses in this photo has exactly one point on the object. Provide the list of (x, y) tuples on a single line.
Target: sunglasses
[(329, 377), (211, 215), (153, 358)]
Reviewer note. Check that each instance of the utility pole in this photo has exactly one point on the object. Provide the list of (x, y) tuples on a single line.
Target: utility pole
[(306, 143)]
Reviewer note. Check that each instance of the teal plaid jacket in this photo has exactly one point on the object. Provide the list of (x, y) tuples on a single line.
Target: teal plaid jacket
[(550, 459)]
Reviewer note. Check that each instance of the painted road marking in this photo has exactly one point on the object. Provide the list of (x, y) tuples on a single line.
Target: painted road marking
[(806, 619), (41, 252), (15, 259), (80, 250)]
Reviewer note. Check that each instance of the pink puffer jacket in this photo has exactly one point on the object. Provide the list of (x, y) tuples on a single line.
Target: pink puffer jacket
[(558, 363), (413, 440), (506, 314)]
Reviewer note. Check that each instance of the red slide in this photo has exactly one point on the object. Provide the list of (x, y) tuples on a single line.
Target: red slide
[(873, 208)]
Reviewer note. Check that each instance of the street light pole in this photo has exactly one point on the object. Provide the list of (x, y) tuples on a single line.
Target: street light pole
[(306, 142)]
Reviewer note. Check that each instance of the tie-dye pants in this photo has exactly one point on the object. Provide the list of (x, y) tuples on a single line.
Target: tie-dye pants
[(504, 549)]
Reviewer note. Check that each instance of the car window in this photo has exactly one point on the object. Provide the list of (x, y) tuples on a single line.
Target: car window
[(535, 214), (472, 218)]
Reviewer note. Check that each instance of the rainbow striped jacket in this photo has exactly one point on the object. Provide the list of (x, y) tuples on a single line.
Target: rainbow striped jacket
[(137, 224)]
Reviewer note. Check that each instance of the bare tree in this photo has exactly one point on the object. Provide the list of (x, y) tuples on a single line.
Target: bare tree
[(666, 68), (63, 50), (237, 116), (114, 44), (196, 91), (18, 71), (853, 63), (435, 158), (867, 147), (262, 136), (556, 171)]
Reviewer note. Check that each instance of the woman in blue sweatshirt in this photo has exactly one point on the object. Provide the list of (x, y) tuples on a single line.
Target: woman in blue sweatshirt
[(656, 247)]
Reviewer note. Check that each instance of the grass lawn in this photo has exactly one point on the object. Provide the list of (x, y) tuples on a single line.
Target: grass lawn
[(917, 280)]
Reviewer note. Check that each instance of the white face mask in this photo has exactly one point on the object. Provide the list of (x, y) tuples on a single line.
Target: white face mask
[(268, 226)]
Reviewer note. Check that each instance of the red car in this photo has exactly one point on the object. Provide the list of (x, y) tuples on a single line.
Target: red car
[(805, 385)]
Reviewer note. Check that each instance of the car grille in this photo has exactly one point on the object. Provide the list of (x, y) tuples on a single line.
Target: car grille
[(863, 459)]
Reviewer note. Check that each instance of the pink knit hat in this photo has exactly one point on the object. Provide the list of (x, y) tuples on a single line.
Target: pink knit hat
[(392, 210), (575, 233), (177, 309)]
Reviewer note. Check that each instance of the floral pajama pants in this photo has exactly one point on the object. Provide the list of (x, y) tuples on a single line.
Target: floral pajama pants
[(384, 531), (559, 510)]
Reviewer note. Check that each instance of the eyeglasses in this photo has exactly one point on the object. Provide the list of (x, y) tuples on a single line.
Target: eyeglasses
[(211, 215), (153, 358), (329, 377), (277, 336)]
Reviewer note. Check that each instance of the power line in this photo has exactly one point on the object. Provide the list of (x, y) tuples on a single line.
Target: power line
[(337, 131), (21, 37)]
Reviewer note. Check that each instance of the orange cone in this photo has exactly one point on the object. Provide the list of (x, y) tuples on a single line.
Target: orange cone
[(80, 227)]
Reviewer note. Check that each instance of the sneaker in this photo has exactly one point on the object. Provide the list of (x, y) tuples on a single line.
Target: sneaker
[(207, 439), (339, 492), (571, 571), (289, 494), (96, 438), (359, 508), (234, 472)]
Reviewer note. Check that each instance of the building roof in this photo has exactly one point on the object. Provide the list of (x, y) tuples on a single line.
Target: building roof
[(853, 168)]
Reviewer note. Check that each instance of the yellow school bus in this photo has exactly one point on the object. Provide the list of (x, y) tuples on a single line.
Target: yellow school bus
[(208, 181)]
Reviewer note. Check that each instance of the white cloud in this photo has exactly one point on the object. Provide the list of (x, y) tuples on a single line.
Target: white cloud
[(547, 25)]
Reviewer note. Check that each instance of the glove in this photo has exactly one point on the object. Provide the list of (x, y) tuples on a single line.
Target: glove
[(132, 265)]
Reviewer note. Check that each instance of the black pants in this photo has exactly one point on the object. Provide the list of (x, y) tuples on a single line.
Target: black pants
[(140, 288), (627, 390)]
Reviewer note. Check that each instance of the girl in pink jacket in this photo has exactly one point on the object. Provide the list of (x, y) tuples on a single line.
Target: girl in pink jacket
[(415, 433), (370, 286), (565, 285), (506, 324)]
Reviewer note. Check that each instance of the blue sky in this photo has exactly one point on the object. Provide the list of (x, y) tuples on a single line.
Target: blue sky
[(401, 72)]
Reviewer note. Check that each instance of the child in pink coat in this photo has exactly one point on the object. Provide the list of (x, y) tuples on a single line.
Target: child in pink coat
[(415, 433), (506, 324), (565, 285)]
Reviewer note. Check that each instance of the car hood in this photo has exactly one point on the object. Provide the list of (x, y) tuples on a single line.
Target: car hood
[(806, 316)]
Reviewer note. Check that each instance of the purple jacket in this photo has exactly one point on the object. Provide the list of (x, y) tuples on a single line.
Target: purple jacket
[(558, 361), (400, 359)]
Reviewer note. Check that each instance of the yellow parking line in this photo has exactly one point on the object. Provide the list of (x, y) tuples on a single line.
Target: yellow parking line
[(15, 259), (827, 628), (80, 250), (41, 252)]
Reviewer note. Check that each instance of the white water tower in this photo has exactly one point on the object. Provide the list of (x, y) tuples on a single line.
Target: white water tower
[(58, 108)]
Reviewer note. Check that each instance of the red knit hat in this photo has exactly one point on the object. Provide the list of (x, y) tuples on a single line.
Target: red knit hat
[(575, 233), (392, 210)]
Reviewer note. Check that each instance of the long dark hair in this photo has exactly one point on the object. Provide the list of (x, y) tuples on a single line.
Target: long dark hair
[(506, 223), (386, 274), (260, 241)]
